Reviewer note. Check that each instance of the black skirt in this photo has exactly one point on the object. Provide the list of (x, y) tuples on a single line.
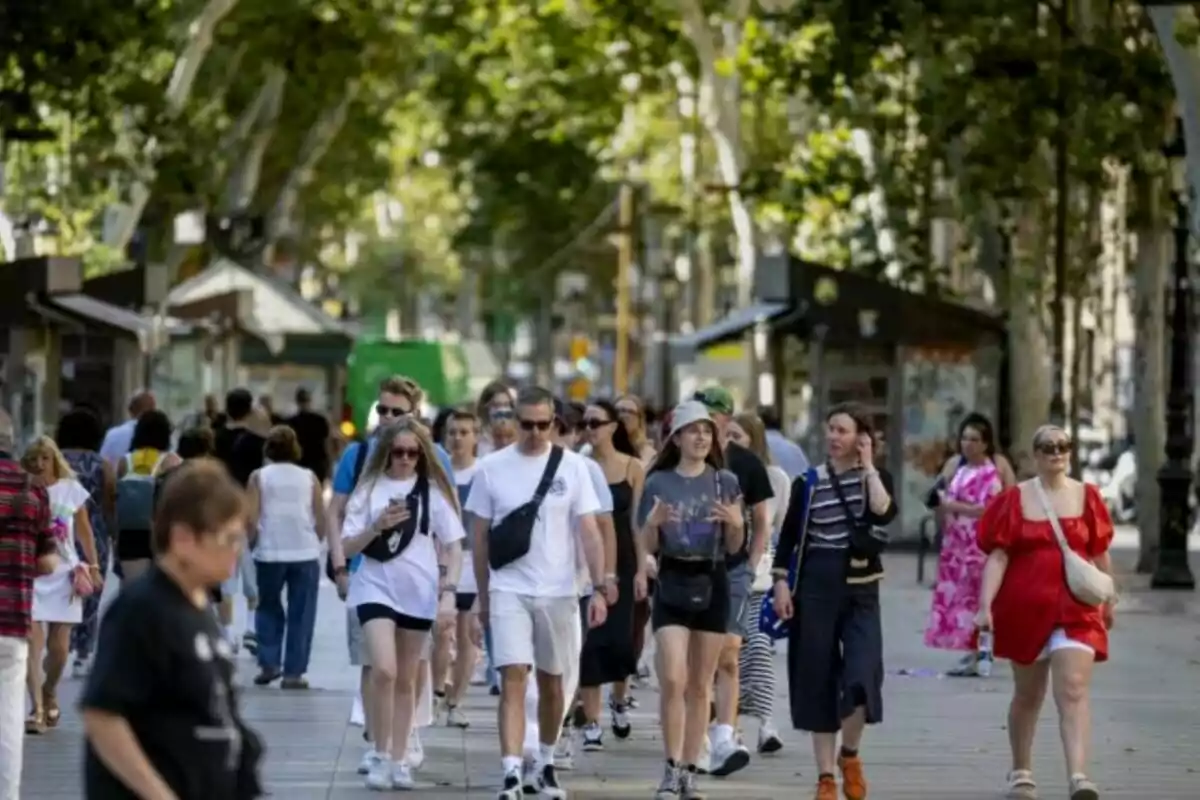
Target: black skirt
[(835, 647)]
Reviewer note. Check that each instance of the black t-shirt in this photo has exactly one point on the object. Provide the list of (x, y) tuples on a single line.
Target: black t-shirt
[(312, 431), (755, 483), (241, 451), (163, 666)]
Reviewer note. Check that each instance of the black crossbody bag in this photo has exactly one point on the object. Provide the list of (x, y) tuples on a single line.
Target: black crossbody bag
[(393, 541), (510, 538), (692, 593)]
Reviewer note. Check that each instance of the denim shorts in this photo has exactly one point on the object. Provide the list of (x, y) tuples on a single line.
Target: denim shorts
[(740, 579)]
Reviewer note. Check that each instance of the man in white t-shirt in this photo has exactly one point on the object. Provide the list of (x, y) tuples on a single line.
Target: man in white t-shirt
[(531, 602)]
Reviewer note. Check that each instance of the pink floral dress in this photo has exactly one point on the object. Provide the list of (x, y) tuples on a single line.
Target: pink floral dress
[(960, 565)]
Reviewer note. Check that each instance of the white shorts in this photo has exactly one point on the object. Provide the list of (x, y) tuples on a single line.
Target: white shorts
[(1060, 641), (541, 632)]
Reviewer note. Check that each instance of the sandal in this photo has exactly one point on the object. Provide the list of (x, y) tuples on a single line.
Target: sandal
[(53, 712), (1021, 785), (35, 724), (1083, 789)]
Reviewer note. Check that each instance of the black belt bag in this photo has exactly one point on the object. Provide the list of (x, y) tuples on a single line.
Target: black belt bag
[(510, 538), (690, 593), (394, 541)]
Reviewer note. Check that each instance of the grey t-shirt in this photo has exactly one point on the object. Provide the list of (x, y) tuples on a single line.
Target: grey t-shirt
[(694, 536)]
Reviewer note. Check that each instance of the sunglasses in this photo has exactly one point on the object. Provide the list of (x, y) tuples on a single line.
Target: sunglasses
[(539, 424), (628, 411), (500, 414), (1054, 448), (596, 424), (410, 453), (391, 411)]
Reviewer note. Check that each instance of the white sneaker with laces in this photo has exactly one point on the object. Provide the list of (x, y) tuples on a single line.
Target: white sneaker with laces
[(379, 778), (457, 718), (564, 752), (727, 757), (402, 777), (368, 760), (768, 739), (529, 776), (415, 755)]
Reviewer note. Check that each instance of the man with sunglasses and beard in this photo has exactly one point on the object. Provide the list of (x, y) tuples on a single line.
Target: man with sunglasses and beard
[(399, 398)]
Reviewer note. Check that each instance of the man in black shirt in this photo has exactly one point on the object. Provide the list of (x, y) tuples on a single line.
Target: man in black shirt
[(727, 755), (160, 708), (238, 446), (312, 430)]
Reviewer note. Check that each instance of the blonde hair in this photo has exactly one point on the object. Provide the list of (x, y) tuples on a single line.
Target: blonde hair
[(45, 446), (753, 425), (428, 464), (1043, 433)]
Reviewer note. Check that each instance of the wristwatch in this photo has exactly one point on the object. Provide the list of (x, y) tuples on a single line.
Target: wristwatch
[(610, 578)]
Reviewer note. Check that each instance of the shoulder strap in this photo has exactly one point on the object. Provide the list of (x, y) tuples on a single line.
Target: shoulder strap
[(360, 460), (720, 540), (1051, 517), (835, 481), (422, 490), (556, 456)]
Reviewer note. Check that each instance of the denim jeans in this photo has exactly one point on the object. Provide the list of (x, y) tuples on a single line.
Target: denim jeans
[(302, 579)]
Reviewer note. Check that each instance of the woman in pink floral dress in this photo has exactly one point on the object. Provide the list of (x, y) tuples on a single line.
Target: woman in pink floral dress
[(974, 478)]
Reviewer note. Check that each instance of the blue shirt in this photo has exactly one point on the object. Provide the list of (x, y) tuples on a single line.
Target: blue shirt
[(787, 454), (343, 476)]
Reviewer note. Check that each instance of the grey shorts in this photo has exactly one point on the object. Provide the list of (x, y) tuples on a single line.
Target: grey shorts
[(356, 643), (740, 579)]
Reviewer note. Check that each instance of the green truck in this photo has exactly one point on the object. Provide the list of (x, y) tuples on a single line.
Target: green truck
[(440, 369)]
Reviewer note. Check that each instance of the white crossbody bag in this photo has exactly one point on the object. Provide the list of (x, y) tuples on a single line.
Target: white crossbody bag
[(1088, 583)]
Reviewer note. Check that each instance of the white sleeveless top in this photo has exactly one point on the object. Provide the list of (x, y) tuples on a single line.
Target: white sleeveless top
[(287, 530)]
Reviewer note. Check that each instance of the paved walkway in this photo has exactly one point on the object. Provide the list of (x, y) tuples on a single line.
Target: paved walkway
[(943, 738)]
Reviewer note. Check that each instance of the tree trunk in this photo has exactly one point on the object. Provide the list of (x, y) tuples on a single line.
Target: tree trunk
[(183, 79), (243, 182), (720, 110), (1028, 343), (1149, 368)]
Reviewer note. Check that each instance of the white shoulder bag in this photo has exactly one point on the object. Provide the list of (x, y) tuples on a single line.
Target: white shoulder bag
[(1088, 583)]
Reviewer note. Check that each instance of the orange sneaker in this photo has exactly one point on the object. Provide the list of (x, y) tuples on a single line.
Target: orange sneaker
[(854, 783), (826, 789)]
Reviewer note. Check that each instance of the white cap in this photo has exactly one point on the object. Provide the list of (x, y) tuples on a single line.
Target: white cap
[(686, 413)]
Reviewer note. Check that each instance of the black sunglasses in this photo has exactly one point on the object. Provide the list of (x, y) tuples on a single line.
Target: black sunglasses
[(539, 424), (391, 411), (596, 424), (412, 453), (1054, 448)]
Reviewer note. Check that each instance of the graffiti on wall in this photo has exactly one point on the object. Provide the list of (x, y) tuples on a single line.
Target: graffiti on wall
[(938, 389)]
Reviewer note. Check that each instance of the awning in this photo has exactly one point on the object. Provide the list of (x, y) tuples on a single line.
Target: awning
[(731, 326), (103, 313)]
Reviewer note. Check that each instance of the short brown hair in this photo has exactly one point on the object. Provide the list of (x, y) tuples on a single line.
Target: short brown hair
[(858, 414), (404, 387), (199, 494), (282, 446), (464, 414)]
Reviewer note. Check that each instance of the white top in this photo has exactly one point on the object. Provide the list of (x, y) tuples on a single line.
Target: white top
[(407, 583), (52, 597), (287, 529), (777, 507), (466, 581), (583, 579), (506, 480), (117, 441)]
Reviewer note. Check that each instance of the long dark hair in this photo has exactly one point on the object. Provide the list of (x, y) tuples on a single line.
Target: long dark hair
[(621, 440), (984, 426), (668, 455)]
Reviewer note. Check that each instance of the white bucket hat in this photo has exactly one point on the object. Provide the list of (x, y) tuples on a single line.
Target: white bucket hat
[(686, 413)]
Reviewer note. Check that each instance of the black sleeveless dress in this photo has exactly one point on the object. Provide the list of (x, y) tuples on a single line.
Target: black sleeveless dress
[(608, 654)]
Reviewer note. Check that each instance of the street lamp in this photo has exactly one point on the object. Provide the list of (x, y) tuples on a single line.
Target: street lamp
[(1175, 477)]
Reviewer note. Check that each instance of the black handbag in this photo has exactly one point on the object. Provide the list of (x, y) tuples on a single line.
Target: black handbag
[(690, 592), (862, 543), (393, 541), (933, 498), (510, 538)]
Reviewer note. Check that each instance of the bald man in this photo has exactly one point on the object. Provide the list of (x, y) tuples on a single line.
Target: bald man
[(119, 437)]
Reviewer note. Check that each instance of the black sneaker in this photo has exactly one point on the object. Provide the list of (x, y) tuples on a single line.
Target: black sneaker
[(593, 738), (267, 677), (512, 787), (668, 787), (548, 788)]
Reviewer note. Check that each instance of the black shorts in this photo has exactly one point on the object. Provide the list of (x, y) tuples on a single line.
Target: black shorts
[(134, 546), (465, 601), (369, 611), (713, 619)]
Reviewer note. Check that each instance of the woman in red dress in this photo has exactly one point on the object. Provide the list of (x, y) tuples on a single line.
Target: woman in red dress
[(1037, 623)]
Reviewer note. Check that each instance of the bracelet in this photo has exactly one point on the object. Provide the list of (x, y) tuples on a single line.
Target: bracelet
[(870, 474), (610, 577)]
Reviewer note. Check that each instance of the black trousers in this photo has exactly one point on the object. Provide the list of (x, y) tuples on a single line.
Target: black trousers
[(835, 647)]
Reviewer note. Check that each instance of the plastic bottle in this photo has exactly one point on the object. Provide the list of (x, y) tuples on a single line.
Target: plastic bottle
[(984, 659)]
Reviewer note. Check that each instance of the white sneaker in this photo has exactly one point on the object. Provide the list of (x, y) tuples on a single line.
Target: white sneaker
[(727, 757), (415, 755), (369, 759), (511, 788), (704, 760), (80, 668), (402, 776), (529, 776), (564, 751), (457, 718), (379, 777), (768, 739), (358, 715)]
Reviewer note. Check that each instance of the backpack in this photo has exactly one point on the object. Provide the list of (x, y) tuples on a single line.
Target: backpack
[(135, 497)]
